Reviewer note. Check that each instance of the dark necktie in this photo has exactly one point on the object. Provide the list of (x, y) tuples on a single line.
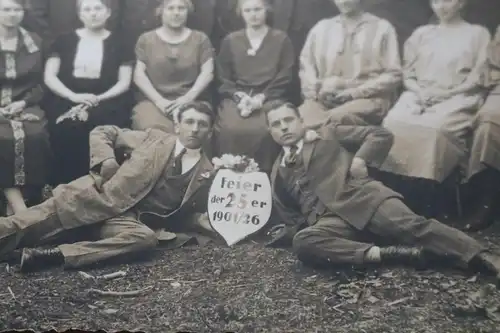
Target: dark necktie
[(291, 158), (177, 169)]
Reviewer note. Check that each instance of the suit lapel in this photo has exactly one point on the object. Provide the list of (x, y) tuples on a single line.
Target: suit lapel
[(203, 166), (307, 152), (274, 171)]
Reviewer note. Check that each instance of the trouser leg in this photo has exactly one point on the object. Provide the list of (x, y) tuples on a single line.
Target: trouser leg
[(331, 240), (28, 227), (118, 237), (396, 222)]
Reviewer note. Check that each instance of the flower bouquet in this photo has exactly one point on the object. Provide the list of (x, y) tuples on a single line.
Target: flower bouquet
[(19, 116), (236, 163), (78, 112)]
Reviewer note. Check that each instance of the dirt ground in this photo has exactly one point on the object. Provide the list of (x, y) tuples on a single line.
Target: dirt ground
[(250, 289)]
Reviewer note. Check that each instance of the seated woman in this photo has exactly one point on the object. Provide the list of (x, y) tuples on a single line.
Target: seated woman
[(24, 140), (87, 69), (51, 18), (255, 66), (349, 64), (174, 66), (483, 173), (138, 17), (443, 67)]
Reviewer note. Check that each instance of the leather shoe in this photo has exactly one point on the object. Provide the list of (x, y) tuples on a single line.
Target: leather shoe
[(280, 235), (36, 259), (491, 262)]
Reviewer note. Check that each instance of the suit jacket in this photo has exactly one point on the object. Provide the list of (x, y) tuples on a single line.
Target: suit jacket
[(51, 18), (87, 201), (327, 162)]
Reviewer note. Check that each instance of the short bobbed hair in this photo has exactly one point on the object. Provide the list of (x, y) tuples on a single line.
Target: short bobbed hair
[(106, 3), (240, 4), (25, 4), (164, 3)]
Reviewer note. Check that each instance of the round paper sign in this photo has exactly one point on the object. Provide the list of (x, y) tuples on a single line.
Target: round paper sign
[(239, 204)]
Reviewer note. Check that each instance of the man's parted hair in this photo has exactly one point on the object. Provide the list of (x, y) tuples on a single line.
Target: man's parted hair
[(200, 106), (276, 104)]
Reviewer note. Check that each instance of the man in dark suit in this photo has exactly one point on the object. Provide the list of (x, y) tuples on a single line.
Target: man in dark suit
[(324, 185), (162, 183)]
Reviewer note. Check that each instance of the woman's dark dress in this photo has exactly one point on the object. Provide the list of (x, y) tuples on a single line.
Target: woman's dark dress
[(24, 145), (70, 139), (269, 71)]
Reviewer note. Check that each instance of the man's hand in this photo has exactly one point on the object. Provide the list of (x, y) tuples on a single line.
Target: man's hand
[(344, 96), (358, 168), (108, 169), (327, 99)]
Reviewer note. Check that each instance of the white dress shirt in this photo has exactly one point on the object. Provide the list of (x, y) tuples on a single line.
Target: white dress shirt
[(190, 158)]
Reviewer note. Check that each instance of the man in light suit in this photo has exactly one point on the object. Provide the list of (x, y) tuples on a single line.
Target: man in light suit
[(161, 184), (324, 186)]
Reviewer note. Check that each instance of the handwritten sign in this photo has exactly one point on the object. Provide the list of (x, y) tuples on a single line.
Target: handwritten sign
[(239, 204)]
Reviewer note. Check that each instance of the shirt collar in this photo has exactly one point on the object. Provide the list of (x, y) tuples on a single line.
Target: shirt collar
[(299, 145), (364, 18), (190, 152)]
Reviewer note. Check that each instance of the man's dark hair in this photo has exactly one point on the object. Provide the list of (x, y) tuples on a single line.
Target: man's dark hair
[(200, 106), (276, 104)]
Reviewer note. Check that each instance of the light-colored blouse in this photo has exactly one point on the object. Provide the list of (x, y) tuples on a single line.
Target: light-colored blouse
[(368, 57), (445, 57)]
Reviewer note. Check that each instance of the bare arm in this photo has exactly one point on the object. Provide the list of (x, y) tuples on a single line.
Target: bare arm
[(203, 80), (144, 84), (123, 84), (52, 67)]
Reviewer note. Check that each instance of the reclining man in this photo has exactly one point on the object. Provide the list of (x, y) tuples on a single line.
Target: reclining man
[(162, 182), (324, 185)]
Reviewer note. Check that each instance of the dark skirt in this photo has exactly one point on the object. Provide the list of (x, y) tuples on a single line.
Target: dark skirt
[(236, 135), (25, 151), (70, 139)]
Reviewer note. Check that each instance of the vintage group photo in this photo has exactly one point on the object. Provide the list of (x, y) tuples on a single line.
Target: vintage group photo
[(250, 166)]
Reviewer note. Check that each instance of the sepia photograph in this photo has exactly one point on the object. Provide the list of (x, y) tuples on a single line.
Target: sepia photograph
[(250, 166)]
